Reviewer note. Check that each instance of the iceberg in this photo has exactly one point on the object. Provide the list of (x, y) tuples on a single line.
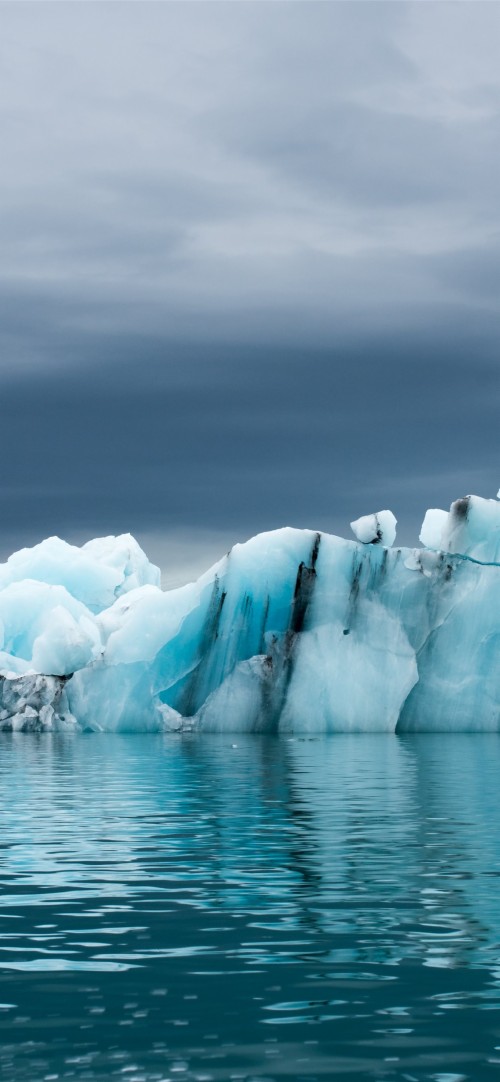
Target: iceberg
[(292, 631)]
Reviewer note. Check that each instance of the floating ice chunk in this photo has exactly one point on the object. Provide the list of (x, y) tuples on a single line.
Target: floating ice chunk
[(293, 630), (377, 529)]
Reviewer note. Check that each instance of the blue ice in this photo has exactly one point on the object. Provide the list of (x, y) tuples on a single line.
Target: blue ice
[(292, 631)]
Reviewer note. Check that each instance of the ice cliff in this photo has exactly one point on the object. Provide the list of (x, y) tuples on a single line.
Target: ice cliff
[(292, 631)]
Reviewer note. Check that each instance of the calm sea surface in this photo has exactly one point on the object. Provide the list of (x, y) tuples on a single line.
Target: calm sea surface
[(255, 908)]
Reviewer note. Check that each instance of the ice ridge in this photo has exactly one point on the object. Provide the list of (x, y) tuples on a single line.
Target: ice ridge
[(292, 631)]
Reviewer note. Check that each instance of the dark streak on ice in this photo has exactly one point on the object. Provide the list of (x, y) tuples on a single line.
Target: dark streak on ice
[(460, 508), (357, 568), (378, 570), (265, 614), (281, 665), (190, 700), (304, 587), (355, 580)]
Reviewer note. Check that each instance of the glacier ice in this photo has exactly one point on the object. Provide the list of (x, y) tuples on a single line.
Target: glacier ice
[(470, 528), (377, 529), (291, 631), (95, 574)]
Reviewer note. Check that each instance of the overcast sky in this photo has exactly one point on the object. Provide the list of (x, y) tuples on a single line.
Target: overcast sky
[(249, 267)]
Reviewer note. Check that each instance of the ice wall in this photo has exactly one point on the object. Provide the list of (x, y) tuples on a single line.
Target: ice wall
[(292, 631)]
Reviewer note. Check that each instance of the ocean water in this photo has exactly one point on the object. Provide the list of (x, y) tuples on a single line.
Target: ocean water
[(214, 907)]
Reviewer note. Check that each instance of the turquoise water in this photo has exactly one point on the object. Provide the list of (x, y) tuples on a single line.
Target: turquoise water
[(212, 908)]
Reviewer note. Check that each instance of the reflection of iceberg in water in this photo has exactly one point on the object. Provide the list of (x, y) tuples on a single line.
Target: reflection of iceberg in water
[(338, 882), (381, 844), (457, 783), (367, 846), (292, 631)]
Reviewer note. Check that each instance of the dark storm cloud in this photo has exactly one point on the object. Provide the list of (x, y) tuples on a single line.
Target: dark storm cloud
[(243, 437), (249, 264)]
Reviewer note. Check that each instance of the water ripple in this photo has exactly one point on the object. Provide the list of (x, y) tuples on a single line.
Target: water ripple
[(177, 908)]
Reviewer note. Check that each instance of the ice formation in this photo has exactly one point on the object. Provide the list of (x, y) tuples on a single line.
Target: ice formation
[(470, 528), (292, 631), (377, 529)]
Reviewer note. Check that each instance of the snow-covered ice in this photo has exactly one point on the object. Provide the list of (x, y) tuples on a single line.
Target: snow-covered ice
[(291, 631)]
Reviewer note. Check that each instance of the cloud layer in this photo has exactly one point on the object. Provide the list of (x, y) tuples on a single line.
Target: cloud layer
[(249, 264)]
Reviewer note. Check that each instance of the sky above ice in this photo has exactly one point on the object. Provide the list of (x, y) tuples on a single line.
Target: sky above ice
[(249, 268)]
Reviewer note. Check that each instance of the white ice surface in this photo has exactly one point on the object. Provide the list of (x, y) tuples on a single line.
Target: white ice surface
[(470, 528), (377, 529), (95, 574)]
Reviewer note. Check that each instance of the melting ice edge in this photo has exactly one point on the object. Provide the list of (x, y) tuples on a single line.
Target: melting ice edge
[(292, 631)]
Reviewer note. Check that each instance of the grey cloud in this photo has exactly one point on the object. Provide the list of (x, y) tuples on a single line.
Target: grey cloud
[(363, 156), (248, 443), (248, 264), (474, 274)]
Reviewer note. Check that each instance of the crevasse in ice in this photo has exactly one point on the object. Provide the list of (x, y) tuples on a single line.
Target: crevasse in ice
[(292, 631)]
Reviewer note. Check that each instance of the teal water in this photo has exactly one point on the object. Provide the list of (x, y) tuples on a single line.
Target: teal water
[(214, 907)]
